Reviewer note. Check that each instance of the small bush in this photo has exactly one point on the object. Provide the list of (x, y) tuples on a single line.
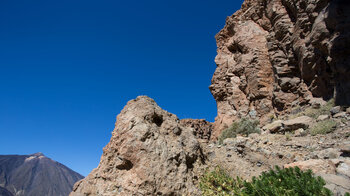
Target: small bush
[(217, 182), (323, 127), (288, 181), (278, 182), (244, 127), (314, 113)]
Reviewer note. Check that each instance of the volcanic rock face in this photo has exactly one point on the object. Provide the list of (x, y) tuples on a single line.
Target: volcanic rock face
[(201, 128), (150, 153), (35, 175), (276, 54)]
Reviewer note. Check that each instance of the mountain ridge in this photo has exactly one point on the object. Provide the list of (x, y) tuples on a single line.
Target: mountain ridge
[(36, 175)]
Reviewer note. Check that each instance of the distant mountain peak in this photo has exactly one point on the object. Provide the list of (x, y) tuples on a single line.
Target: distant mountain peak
[(35, 175), (38, 154)]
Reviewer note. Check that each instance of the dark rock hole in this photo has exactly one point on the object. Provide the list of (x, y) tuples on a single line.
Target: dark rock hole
[(157, 119), (190, 161), (127, 165)]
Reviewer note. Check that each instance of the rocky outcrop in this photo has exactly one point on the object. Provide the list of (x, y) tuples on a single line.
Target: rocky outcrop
[(277, 54), (201, 128), (150, 153), (35, 175)]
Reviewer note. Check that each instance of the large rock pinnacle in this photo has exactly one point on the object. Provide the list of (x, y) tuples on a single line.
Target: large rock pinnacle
[(274, 55), (149, 153)]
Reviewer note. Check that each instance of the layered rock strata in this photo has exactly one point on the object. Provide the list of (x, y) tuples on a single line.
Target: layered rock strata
[(277, 54), (150, 153)]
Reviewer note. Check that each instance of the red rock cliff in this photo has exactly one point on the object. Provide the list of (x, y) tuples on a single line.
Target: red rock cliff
[(276, 54)]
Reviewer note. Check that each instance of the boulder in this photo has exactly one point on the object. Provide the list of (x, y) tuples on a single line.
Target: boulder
[(316, 103), (274, 127), (335, 110), (150, 153), (322, 117), (300, 122), (338, 181), (300, 132), (344, 169), (339, 115)]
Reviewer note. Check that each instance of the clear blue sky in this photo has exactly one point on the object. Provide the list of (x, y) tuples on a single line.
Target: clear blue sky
[(68, 67)]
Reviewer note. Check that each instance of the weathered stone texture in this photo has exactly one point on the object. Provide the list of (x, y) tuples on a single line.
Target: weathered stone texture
[(276, 54), (201, 128), (150, 153)]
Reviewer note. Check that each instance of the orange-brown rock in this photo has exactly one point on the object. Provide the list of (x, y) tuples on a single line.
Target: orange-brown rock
[(150, 153), (276, 54)]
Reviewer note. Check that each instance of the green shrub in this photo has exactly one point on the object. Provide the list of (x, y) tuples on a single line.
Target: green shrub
[(217, 182), (278, 182), (314, 113), (323, 127), (288, 181), (244, 127)]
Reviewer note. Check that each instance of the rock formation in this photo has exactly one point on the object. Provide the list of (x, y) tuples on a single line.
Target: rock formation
[(277, 54), (201, 128), (150, 153), (35, 175), (273, 55)]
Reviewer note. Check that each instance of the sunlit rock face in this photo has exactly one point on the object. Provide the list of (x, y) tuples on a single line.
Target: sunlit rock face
[(150, 153), (277, 54)]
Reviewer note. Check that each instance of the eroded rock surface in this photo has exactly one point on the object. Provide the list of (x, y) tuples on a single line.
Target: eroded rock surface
[(276, 54), (249, 156), (201, 128), (150, 153)]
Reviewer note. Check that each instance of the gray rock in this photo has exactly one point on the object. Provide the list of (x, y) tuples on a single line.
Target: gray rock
[(343, 169), (316, 103), (336, 190), (296, 123), (345, 148), (339, 115), (300, 132), (336, 180), (329, 153), (348, 110), (335, 110), (274, 127), (252, 113), (322, 117), (229, 142)]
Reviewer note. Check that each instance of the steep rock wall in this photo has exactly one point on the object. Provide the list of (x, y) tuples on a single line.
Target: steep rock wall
[(277, 54)]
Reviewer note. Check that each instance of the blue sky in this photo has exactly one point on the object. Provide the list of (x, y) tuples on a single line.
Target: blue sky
[(69, 67)]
